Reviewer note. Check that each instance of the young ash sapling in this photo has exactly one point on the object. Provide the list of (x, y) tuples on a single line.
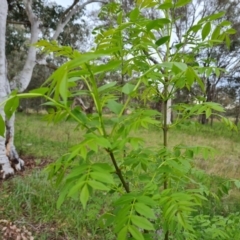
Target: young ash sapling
[(159, 192)]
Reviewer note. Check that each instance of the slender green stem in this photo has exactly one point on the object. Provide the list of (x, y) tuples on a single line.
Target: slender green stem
[(96, 98), (131, 212)]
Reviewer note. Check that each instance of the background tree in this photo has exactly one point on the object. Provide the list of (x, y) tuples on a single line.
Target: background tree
[(215, 57), (30, 15), (75, 34), (218, 57)]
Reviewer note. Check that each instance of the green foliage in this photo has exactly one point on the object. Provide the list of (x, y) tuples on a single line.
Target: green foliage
[(11, 106), (157, 189)]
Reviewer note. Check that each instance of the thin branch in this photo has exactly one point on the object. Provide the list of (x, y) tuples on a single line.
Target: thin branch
[(52, 66), (17, 22), (69, 9), (150, 57), (67, 15)]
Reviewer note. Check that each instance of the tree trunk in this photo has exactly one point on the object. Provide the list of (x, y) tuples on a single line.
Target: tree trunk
[(203, 119), (9, 159), (236, 119), (210, 94), (212, 118)]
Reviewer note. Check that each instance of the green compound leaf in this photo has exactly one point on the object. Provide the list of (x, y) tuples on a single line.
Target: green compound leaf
[(84, 196), (135, 232), (142, 222), (206, 30), (144, 210)]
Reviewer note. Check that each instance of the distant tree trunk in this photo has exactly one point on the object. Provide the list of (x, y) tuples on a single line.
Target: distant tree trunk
[(156, 105), (87, 109), (211, 123), (236, 119), (203, 119), (237, 114), (210, 91)]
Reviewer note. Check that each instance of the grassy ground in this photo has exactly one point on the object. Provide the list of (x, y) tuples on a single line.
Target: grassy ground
[(35, 137), (30, 200)]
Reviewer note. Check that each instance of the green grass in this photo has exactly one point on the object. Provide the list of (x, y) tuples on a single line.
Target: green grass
[(30, 200), (40, 139)]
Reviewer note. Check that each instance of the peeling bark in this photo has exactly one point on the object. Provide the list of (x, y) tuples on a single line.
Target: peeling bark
[(21, 82), (86, 109), (16, 162)]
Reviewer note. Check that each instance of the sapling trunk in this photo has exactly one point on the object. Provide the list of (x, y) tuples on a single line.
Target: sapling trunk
[(119, 173), (165, 136)]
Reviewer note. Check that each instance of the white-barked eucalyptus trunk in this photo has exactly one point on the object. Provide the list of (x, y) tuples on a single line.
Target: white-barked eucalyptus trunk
[(7, 149), (9, 158)]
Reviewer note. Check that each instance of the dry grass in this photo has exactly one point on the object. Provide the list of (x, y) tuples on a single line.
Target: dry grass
[(38, 138), (226, 159)]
